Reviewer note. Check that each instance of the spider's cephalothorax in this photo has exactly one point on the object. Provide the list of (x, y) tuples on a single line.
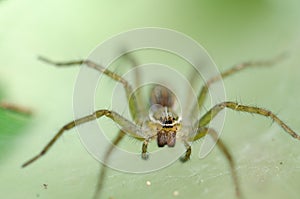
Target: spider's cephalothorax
[(162, 116)]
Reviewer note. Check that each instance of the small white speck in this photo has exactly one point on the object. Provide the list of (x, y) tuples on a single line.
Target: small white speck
[(148, 183), (175, 193)]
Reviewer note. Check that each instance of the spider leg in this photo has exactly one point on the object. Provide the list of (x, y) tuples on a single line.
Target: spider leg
[(137, 81), (204, 131), (205, 120), (188, 152), (102, 172), (133, 105), (204, 90), (126, 125), (145, 155), (134, 63)]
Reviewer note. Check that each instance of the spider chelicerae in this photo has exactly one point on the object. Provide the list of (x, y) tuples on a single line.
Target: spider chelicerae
[(163, 124)]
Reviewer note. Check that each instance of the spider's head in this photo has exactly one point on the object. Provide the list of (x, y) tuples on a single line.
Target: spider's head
[(167, 123)]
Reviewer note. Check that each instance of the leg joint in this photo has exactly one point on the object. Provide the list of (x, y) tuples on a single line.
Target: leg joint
[(102, 112)]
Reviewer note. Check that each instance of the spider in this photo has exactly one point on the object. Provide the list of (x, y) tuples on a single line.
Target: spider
[(164, 124)]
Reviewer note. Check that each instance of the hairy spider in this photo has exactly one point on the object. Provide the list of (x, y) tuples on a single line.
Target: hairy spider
[(163, 123)]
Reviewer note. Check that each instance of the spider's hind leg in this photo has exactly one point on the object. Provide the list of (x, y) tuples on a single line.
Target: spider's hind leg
[(102, 172), (204, 131)]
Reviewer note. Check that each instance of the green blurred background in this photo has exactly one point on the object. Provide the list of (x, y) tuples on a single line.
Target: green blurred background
[(268, 160)]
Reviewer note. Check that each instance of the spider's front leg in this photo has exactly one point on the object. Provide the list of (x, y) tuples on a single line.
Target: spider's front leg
[(205, 120), (145, 154), (188, 152), (126, 125)]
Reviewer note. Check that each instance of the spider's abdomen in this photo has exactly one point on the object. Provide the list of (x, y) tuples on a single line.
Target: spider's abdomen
[(162, 96)]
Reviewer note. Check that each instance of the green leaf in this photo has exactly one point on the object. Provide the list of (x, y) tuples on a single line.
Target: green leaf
[(11, 125)]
